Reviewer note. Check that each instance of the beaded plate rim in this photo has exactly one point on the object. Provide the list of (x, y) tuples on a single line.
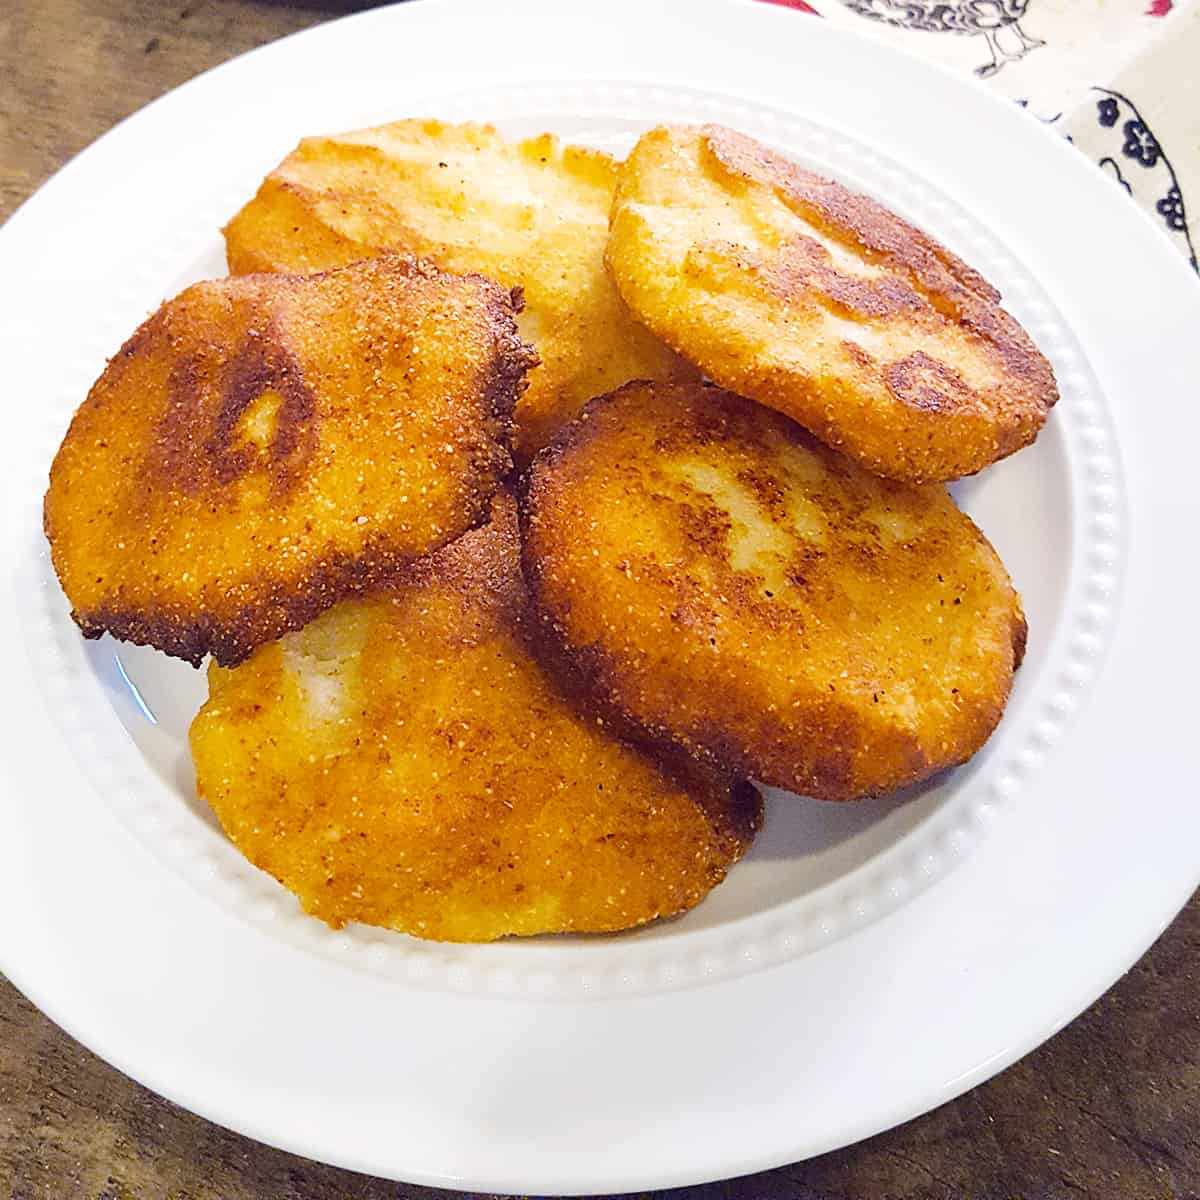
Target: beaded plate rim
[(613, 967)]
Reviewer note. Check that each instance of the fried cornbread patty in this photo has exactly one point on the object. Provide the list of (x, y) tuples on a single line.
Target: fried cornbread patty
[(262, 446), (404, 762), (792, 290), (733, 585), (531, 214)]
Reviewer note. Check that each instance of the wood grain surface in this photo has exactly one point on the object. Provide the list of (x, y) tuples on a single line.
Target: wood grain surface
[(1108, 1108)]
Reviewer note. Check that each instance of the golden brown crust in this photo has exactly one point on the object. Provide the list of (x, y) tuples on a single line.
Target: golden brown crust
[(263, 446), (790, 289), (732, 585), (531, 214), (405, 762)]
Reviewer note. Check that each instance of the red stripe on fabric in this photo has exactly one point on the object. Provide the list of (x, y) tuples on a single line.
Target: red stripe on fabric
[(800, 6)]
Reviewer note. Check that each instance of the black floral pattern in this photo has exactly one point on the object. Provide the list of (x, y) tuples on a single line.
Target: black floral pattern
[(1170, 208), (1151, 179), (1140, 143)]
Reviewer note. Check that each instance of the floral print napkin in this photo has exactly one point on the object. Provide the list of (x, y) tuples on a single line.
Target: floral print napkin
[(1119, 78)]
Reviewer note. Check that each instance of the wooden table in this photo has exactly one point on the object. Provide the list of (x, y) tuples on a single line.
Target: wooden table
[(1109, 1108)]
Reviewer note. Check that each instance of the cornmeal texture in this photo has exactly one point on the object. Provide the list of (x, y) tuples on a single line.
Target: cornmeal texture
[(404, 761), (790, 289), (263, 446), (731, 584), (531, 214)]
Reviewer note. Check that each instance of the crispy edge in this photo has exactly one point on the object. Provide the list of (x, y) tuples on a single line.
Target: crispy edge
[(587, 673), (732, 805), (849, 217), (286, 608), (954, 289), (736, 822), (598, 675), (492, 582), (1021, 402), (280, 193), (278, 190)]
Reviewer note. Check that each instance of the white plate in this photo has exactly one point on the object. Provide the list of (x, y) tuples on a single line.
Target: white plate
[(867, 962)]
